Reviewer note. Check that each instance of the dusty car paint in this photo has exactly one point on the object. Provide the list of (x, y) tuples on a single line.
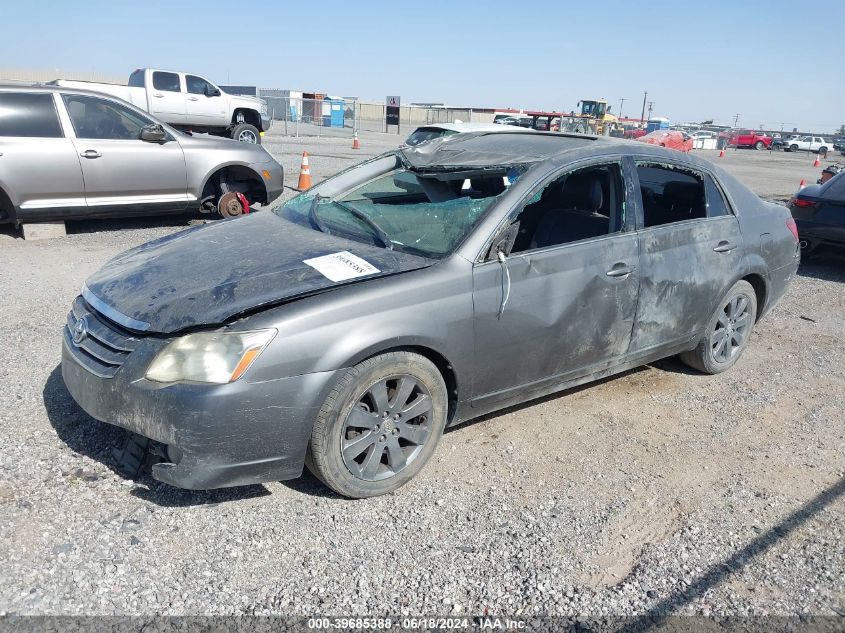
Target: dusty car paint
[(566, 321)]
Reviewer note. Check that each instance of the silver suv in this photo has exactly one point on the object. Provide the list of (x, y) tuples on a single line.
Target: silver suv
[(67, 153)]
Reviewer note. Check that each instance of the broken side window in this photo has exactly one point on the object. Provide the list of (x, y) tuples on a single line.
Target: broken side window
[(579, 205), (670, 193)]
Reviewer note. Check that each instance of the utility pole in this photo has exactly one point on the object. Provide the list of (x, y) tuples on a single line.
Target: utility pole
[(736, 119), (642, 116), (621, 103)]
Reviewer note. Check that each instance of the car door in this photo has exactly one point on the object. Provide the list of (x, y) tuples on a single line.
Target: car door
[(562, 304), (205, 103), (39, 166), (690, 249), (167, 99), (122, 171)]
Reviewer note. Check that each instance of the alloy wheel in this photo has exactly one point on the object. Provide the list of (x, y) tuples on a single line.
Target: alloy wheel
[(732, 329), (386, 428), (247, 136)]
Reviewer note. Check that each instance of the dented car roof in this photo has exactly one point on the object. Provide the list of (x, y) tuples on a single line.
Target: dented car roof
[(505, 147)]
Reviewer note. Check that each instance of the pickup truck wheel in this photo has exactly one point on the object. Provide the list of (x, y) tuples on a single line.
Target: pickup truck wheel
[(246, 133), (793, 148), (759, 145)]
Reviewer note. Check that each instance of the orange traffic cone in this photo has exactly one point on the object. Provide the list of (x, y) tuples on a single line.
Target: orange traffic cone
[(305, 173), (801, 185), (722, 154), (817, 162), (356, 144)]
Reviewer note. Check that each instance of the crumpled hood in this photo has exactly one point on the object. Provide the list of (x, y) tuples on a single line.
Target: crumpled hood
[(206, 275)]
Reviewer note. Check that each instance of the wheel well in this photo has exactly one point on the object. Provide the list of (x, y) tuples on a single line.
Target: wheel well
[(250, 116), (443, 366), (759, 285), (6, 208), (239, 178)]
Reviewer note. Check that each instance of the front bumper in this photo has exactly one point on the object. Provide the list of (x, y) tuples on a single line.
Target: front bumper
[(225, 435), (266, 122)]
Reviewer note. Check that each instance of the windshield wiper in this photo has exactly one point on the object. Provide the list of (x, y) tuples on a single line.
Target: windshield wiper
[(380, 233), (312, 214)]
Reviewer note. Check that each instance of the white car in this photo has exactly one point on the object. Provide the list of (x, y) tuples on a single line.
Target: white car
[(188, 102), (437, 130), (703, 134), (807, 143)]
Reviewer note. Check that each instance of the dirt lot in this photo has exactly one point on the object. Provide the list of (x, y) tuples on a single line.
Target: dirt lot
[(658, 490)]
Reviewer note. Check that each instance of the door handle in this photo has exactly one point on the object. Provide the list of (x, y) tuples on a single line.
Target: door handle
[(157, 94), (724, 247), (90, 153), (620, 270), (193, 99)]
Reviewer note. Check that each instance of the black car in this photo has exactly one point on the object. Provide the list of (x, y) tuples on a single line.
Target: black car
[(819, 212), (839, 144)]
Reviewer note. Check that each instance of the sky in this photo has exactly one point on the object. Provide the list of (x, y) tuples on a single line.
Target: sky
[(772, 62)]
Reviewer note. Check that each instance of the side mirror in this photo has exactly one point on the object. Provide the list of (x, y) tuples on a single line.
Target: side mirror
[(504, 241), (211, 91), (153, 133)]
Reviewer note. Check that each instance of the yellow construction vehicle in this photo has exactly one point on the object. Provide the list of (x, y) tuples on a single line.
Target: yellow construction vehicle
[(595, 118)]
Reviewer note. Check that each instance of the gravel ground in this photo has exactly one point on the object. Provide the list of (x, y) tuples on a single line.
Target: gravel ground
[(660, 490)]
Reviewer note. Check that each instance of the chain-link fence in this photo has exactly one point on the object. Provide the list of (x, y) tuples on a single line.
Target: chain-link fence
[(300, 116)]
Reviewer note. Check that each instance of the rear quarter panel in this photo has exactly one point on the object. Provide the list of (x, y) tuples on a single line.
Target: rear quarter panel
[(771, 249)]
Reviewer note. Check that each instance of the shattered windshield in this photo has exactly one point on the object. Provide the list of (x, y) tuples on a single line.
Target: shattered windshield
[(425, 214)]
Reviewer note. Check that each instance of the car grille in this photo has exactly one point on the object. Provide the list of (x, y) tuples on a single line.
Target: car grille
[(104, 348)]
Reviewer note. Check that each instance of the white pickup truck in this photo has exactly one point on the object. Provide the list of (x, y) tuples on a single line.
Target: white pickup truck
[(188, 102), (807, 143)]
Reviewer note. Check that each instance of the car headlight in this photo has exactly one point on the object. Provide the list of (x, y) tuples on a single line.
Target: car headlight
[(213, 357), (263, 108)]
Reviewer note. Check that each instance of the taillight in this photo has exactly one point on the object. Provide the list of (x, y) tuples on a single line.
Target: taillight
[(802, 203), (793, 228)]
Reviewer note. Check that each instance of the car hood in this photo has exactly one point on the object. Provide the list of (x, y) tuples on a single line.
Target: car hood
[(210, 274)]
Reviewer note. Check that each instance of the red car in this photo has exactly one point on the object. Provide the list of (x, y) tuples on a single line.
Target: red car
[(672, 139), (749, 138)]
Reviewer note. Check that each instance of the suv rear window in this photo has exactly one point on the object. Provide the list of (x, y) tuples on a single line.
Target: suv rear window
[(29, 115)]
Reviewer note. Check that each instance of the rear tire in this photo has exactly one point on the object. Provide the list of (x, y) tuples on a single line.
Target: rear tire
[(727, 332), (759, 145), (246, 133), (379, 426)]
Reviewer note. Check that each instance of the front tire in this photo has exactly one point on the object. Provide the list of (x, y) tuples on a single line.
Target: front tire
[(379, 425), (793, 148), (727, 333), (246, 133)]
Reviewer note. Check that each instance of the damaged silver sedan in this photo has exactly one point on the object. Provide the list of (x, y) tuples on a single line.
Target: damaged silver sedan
[(415, 291)]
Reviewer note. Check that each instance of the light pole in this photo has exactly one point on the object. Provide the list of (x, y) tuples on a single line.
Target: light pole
[(621, 103), (642, 116), (736, 119), (650, 108)]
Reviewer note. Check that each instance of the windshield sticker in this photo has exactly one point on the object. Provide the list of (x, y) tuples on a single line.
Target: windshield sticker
[(341, 266)]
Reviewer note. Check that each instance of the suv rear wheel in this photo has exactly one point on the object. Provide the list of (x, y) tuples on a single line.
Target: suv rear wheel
[(759, 145)]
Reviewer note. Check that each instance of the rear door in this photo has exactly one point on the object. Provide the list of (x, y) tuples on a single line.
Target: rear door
[(39, 166), (690, 250), (167, 99), (121, 171), (202, 106)]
